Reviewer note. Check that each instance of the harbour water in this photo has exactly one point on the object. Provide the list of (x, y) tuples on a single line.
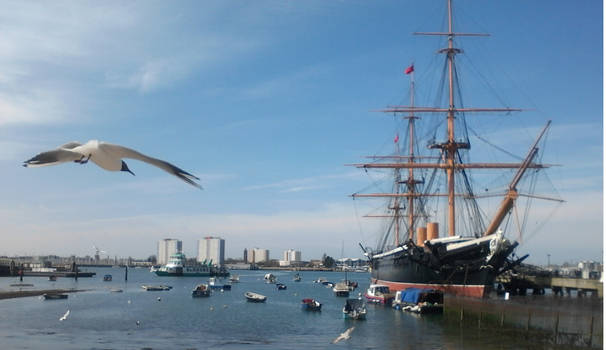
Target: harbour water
[(138, 319)]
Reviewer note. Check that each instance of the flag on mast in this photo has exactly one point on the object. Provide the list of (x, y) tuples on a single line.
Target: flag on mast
[(410, 69)]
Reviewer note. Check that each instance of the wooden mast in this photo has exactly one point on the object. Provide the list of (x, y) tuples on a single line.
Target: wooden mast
[(449, 150)]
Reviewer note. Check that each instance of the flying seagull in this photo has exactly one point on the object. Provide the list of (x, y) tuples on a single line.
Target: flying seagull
[(64, 317), (106, 155)]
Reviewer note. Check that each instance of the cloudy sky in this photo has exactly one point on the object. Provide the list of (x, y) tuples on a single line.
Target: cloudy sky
[(266, 101)]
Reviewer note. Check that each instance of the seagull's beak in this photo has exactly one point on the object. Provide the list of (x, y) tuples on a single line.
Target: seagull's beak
[(125, 168)]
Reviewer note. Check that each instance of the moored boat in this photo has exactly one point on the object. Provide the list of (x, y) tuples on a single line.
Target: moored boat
[(354, 309), (309, 304), (420, 301), (341, 289), (156, 288), (200, 291), (379, 294), (297, 278), (107, 278), (54, 296), (255, 297)]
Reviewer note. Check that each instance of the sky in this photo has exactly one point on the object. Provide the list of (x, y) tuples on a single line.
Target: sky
[(266, 102)]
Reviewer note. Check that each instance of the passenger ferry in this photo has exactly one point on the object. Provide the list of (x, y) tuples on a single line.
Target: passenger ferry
[(176, 267)]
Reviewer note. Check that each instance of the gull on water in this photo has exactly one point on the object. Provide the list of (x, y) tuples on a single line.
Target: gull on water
[(64, 317), (107, 156)]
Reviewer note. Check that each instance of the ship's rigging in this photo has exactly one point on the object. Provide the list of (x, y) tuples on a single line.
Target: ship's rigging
[(415, 186)]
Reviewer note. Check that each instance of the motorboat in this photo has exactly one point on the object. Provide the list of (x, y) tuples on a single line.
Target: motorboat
[(297, 278), (153, 288), (200, 291), (52, 278), (255, 297), (269, 278), (421, 301), (107, 278), (379, 293), (341, 289), (54, 296), (234, 278), (281, 286), (354, 309), (311, 305)]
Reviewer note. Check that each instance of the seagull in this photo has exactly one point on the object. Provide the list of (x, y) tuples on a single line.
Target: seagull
[(344, 336), (64, 317), (107, 156)]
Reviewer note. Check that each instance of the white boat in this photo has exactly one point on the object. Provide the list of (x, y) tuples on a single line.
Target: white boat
[(255, 297), (379, 293), (234, 278), (341, 289)]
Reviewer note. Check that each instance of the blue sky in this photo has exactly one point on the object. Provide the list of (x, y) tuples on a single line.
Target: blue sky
[(266, 101)]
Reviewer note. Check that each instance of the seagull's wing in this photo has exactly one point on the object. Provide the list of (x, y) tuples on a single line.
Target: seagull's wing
[(56, 156), (125, 152), (70, 145)]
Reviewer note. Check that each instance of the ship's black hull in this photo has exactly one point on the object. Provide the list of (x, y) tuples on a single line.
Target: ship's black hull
[(470, 274)]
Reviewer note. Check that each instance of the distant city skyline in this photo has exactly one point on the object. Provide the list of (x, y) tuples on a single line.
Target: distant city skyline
[(266, 102)]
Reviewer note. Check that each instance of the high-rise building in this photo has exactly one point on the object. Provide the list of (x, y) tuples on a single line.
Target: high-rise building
[(167, 247), (245, 255), (211, 249), (257, 255), (292, 255)]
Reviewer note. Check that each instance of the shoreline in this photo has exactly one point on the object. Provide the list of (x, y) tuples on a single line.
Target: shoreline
[(32, 293)]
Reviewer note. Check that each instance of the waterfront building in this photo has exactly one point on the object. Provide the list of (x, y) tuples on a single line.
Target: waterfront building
[(211, 249), (291, 257), (245, 259), (167, 247), (258, 255)]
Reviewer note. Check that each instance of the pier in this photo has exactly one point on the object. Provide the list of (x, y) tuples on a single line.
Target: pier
[(518, 284)]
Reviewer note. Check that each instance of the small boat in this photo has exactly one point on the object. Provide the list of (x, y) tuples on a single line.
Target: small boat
[(379, 293), (297, 278), (52, 278), (269, 278), (255, 297), (421, 301), (152, 288), (116, 290), (234, 279), (214, 284), (320, 280), (227, 287), (311, 305), (54, 296), (354, 309), (200, 291), (341, 289), (280, 286), (351, 284), (107, 278)]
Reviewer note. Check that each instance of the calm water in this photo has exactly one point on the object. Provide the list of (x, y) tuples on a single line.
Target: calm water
[(100, 319)]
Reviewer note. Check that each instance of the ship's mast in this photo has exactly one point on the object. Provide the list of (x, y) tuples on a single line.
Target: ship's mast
[(449, 148)]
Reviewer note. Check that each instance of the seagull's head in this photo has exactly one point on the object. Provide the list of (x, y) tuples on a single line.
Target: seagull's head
[(125, 168)]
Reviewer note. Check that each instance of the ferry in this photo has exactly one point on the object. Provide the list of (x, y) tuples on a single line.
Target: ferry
[(176, 267)]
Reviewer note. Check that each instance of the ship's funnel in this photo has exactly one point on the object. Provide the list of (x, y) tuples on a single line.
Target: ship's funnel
[(433, 231), (421, 236)]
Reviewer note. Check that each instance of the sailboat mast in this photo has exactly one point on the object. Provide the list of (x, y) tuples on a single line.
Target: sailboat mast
[(451, 145)]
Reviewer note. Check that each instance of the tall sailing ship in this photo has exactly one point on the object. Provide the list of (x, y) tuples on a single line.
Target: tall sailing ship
[(411, 252)]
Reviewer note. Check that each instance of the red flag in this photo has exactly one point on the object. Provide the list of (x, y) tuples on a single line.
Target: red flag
[(395, 140), (410, 69)]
